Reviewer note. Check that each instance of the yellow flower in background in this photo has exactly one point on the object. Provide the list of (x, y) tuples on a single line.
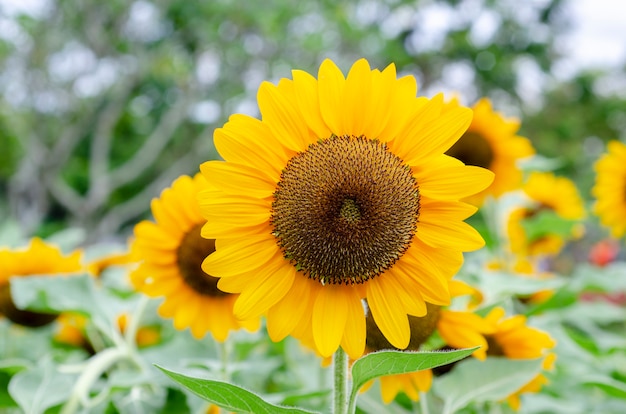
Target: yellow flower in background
[(341, 192), (609, 187), (458, 329), (558, 194), (145, 336), (459, 288), (461, 329), (546, 193), (171, 252), (98, 266), (513, 339), (38, 258), (72, 331), (491, 142), (412, 384), (533, 385)]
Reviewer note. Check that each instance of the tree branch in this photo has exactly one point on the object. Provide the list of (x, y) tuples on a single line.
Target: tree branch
[(152, 146)]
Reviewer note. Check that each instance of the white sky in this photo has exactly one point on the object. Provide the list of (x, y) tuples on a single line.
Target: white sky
[(599, 37)]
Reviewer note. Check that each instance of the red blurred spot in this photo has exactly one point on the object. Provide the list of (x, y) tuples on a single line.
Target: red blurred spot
[(616, 298), (604, 252)]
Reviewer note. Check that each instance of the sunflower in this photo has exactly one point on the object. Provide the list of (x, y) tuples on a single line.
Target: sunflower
[(39, 258), (171, 252), (547, 194), (609, 188), (491, 142), (342, 191), (513, 339)]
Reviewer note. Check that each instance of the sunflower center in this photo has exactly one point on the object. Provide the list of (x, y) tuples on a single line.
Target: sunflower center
[(345, 210), (191, 253), (472, 149), (494, 347), (350, 211)]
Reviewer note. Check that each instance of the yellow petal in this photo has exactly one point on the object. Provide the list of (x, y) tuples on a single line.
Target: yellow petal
[(330, 313), (454, 182), (380, 104), (450, 235), (388, 314), (307, 96), (356, 99), (280, 113), (237, 211), (406, 291), (446, 211), (238, 179), (408, 142), (433, 132), (403, 106), (246, 140), (240, 256), (353, 341), (331, 83), (283, 317), (270, 285), (156, 235)]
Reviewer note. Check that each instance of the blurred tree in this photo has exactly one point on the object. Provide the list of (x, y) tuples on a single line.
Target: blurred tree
[(105, 103), (578, 118)]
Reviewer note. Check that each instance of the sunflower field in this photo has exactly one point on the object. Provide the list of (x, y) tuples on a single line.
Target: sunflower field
[(383, 206)]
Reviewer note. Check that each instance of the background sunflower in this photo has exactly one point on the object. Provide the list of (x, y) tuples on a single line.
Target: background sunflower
[(549, 220), (610, 181), (170, 251), (38, 258), (491, 142)]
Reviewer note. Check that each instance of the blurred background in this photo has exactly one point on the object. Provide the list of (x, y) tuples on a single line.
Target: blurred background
[(104, 103)]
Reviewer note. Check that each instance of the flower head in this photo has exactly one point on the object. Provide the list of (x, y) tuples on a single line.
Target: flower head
[(171, 252), (609, 187), (340, 192), (547, 194), (491, 142), (39, 258), (513, 339)]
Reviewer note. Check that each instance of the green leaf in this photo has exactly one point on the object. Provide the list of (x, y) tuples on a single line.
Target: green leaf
[(14, 365), (479, 381), (5, 398), (378, 364), (175, 402), (548, 222), (608, 385), (40, 387), (77, 293), (229, 396), (561, 299), (53, 294)]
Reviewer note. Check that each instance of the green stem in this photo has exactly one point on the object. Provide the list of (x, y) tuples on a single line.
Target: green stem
[(224, 351), (130, 335), (340, 367), (423, 403), (97, 365)]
